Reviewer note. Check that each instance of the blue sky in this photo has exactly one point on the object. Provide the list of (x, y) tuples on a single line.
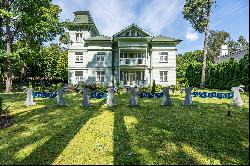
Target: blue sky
[(161, 17)]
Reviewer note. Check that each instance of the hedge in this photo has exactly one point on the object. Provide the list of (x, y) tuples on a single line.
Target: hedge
[(220, 76)]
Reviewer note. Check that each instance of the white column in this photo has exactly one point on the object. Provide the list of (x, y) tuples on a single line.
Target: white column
[(118, 63)]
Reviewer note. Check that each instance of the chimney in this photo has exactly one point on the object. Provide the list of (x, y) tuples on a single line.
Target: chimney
[(223, 50)]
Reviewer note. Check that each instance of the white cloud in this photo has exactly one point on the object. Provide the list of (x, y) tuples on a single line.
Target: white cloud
[(111, 16), (191, 35), (159, 15)]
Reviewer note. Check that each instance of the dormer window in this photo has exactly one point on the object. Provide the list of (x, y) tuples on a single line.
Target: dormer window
[(127, 34), (78, 37), (132, 33)]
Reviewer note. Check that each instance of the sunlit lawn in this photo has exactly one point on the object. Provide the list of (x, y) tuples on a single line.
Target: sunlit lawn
[(149, 134)]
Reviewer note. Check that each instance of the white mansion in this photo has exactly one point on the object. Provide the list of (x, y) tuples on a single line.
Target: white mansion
[(131, 56)]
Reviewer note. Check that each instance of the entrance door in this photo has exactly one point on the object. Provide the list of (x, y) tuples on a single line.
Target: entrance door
[(132, 77)]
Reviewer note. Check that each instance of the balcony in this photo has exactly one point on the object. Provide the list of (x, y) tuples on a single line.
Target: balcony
[(133, 61)]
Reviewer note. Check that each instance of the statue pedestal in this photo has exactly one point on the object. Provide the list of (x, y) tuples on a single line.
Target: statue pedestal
[(111, 98), (85, 101), (133, 99), (166, 97), (59, 98)]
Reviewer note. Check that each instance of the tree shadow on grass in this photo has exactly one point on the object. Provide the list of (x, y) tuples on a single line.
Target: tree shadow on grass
[(123, 153), (50, 150), (199, 134), (48, 129)]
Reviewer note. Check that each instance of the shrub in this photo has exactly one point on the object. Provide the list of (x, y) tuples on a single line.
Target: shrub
[(220, 76)]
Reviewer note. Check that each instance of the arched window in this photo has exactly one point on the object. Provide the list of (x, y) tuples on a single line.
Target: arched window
[(132, 33), (138, 33), (127, 34)]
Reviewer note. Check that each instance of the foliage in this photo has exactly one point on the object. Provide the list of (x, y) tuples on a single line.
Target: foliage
[(197, 12), (193, 74), (28, 24), (65, 38), (155, 88), (184, 60), (221, 76), (94, 86), (147, 135), (215, 40)]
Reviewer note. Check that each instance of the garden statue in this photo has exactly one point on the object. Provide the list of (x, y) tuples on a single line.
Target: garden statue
[(237, 99), (166, 97), (59, 98), (188, 97), (85, 101), (29, 99), (111, 99), (133, 99)]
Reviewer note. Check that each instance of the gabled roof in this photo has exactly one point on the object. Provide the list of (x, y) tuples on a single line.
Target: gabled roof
[(132, 26), (162, 38), (99, 38)]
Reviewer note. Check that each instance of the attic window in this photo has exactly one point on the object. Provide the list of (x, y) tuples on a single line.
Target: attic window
[(138, 33), (127, 34), (132, 33)]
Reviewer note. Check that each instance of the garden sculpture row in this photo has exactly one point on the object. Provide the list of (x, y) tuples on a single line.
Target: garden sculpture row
[(133, 101)]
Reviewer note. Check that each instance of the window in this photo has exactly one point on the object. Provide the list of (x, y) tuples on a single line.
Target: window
[(100, 56), (132, 33), (100, 76), (163, 56), (79, 76), (163, 53), (127, 34), (127, 61), (138, 34), (140, 61), (121, 55), (79, 57), (131, 55), (163, 76), (78, 37)]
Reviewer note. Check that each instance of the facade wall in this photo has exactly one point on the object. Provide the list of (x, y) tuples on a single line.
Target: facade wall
[(90, 66), (171, 76)]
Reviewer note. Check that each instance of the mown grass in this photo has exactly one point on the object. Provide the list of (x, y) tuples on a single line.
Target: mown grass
[(148, 134)]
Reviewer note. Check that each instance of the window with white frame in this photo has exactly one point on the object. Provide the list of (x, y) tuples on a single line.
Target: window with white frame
[(163, 76), (163, 56), (100, 56), (79, 37), (100, 76), (79, 76), (79, 57)]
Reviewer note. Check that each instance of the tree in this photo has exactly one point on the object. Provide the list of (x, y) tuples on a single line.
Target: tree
[(215, 40), (183, 61), (28, 23), (198, 13), (242, 43)]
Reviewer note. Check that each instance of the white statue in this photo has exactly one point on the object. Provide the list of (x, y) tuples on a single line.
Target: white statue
[(237, 99), (29, 99)]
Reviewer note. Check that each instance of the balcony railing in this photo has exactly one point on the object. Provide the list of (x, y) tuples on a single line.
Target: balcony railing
[(133, 61)]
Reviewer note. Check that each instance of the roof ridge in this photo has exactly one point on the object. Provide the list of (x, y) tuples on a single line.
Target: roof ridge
[(133, 24)]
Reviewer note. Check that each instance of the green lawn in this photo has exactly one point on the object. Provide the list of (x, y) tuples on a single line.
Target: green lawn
[(149, 134)]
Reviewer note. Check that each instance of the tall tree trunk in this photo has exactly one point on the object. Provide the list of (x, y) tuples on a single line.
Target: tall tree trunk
[(204, 63), (8, 51)]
